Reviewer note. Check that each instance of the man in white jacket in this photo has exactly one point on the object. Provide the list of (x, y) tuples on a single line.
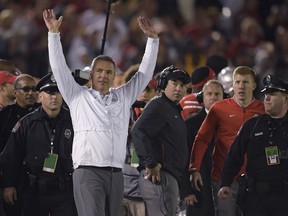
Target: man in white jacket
[(100, 117)]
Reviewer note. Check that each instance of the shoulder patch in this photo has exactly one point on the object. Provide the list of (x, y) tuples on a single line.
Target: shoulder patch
[(16, 127)]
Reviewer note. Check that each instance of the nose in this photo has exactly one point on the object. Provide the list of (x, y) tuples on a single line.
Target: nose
[(267, 97), (241, 85)]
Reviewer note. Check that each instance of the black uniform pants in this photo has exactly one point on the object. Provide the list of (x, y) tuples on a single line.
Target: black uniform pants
[(61, 204), (261, 204)]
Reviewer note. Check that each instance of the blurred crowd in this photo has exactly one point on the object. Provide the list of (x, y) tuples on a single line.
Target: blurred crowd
[(245, 32)]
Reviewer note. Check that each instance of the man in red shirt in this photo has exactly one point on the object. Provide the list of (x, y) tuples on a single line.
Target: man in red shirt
[(222, 123)]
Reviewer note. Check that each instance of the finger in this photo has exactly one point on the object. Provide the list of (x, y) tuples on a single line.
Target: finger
[(152, 179), (148, 176), (201, 182), (60, 19), (15, 196), (198, 185), (158, 178), (12, 201), (144, 21)]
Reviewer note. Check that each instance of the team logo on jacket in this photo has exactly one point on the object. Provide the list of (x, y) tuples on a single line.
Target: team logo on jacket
[(67, 133)]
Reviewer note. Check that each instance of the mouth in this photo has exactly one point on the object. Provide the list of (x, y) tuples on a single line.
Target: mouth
[(30, 98), (177, 95), (241, 93), (102, 82)]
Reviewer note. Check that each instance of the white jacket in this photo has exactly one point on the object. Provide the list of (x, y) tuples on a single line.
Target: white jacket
[(100, 130)]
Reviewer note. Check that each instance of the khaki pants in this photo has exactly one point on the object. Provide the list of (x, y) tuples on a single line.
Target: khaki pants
[(132, 207)]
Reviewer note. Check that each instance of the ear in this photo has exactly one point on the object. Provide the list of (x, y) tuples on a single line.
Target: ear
[(40, 96)]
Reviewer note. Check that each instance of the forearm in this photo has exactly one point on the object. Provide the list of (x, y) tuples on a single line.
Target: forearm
[(61, 71)]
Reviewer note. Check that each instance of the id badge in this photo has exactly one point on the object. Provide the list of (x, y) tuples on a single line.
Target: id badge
[(50, 163), (272, 155), (134, 159)]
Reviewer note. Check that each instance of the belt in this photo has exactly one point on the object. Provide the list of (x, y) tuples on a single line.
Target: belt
[(110, 169)]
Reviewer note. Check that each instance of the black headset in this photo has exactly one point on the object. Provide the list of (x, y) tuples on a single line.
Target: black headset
[(199, 96), (162, 81)]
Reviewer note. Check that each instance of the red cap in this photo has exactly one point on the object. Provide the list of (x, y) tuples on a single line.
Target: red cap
[(6, 77)]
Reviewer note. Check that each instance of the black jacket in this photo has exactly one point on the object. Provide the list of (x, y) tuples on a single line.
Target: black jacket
[(160, 136), (30, 143), (252, 139), (9, 116)]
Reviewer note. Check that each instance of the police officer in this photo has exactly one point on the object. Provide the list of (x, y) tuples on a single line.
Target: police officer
[(264, 139), (37, 158), (26, 97)]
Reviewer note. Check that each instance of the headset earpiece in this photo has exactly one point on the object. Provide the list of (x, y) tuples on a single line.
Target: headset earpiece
[(226, 95), (162, 82), (199, 97)]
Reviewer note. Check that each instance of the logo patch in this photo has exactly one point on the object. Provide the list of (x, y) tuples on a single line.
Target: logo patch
[(67, 133)]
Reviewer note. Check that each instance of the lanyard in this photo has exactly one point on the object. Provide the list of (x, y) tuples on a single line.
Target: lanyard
[(51, 133), (271, 131), (52, 140)]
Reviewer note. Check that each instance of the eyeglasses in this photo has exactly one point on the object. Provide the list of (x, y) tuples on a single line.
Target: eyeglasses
[(27, 89)]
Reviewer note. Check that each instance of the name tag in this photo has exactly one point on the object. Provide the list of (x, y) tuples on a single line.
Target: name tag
[(50, 163), (272, 155)]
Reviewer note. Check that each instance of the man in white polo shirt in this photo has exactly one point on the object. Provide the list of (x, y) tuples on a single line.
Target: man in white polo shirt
[(100, 117)]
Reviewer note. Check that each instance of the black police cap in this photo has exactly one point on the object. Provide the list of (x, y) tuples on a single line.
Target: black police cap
[(273, 83), (47, 83)]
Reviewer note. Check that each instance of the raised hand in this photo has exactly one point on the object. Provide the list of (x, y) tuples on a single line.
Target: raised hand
[(146, 27), (51, 22)]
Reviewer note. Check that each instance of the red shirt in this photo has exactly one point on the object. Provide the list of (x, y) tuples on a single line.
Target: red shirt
[(222, 121)]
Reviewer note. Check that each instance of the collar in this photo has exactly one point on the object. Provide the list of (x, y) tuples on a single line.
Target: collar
[(177, 105), (243, 106)]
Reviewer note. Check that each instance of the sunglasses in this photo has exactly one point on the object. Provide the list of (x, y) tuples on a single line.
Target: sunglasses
[(27, 89)]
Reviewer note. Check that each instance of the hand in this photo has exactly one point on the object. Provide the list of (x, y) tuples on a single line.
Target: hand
[(50, 20), (153, 174), (190, 199), (197, 182), (146, 27), (224, 192), (10, 195)]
